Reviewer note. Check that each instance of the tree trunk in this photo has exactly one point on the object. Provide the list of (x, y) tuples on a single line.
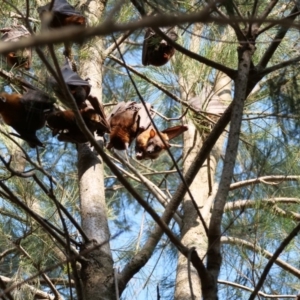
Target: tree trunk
[(97, 271), (193, 233)]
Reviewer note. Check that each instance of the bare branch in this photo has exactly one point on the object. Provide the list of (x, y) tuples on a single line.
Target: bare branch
[(243, 287), (273, 260), (146, 78), (155, 190), (277, 40), (254, 247), (279, 66), (46, 278), (270, 180), (34, 291), (242, 204)]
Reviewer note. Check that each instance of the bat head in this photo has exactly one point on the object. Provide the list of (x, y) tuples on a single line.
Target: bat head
[(118, 142), (149, 144)]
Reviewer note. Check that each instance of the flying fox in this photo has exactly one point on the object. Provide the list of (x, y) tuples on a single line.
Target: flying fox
[(127, 120)]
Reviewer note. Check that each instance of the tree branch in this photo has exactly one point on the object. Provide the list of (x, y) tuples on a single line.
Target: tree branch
[(278, 66), (243, 287), (146, 78), (243, 204), (277, 40), (239, 242), (270, 180), (38, 293), (273, 260)]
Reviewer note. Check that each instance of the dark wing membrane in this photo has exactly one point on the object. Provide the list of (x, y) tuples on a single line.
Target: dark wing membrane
[(174, 131), (60, 6), (72, 78), (146, 45), (100, 111), (36, 100), (121, 107)]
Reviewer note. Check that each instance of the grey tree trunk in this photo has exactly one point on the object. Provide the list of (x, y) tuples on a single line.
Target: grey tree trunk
[(97, 271), (193, 233)]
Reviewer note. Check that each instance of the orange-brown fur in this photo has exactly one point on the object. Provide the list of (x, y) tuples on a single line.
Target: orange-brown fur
[(123, 129), (64, 124), (24, 120), (74, 20), (149, 144)]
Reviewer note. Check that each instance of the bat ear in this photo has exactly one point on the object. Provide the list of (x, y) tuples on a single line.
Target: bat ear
[(173, 132), (152, 133), (3, 99)]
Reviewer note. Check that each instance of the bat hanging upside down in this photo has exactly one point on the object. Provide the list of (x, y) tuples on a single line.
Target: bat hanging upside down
[(21, 58), (127, 120), (79, 88), (25, 113), (156, 51), (149, 145), (64, 14)]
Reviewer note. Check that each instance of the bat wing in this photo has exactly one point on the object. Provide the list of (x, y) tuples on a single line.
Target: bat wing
[(60, 6), (147, 46), (63, 7), (173, 132), (14, 33), (36, 100), (100, 111), (27, 135), (122, 107), (72, 78), (78, 87), (144, 119)]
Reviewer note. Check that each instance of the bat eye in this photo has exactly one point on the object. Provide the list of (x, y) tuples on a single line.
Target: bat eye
[(157, 148), (3, 99)]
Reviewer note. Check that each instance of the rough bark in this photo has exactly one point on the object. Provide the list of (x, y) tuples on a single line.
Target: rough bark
[(97, 270)]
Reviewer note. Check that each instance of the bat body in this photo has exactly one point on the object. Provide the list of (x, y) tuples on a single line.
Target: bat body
[(79, 88), (25, 114), (20, 58), (64, 124), (149, 145), (157, 51), (126, 121), (64, 14)]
